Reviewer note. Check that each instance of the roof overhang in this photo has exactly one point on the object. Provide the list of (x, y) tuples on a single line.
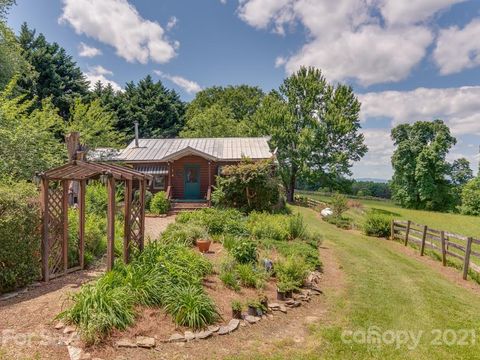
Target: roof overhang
[(188, 151)]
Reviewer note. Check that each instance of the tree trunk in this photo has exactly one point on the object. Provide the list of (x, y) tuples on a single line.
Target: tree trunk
[(291, 189)]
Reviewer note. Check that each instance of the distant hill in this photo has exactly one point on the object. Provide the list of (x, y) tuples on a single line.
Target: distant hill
[(383, 181)]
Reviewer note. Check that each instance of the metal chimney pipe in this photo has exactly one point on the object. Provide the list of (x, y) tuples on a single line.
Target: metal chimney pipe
[(136, 133)]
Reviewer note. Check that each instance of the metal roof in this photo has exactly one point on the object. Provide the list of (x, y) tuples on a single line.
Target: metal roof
[(152, 169), (219, 149)]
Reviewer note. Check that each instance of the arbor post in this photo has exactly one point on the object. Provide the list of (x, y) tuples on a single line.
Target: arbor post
[(81, 221), (65, 184), (45, 220), (110, 222), (127, 218)]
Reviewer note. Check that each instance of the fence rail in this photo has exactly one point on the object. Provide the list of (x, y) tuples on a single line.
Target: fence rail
[(446, 243), (309, 202)]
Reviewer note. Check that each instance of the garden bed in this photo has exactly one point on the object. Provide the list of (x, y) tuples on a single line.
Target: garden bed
[(172, 288)]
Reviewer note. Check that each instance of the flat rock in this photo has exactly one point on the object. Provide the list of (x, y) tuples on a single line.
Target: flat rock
[(145, 342), (274, 306), (213, 328), (283, 309), (251, 319), (59, 325), (69, 329), (176, 338), (233, 324), (203, 334), (8, 296), (126, 343), (74, 352), (294, 304), (189, 336)]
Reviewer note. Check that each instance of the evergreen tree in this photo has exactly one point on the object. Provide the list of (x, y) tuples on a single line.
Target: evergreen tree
[(158, 110), (58, 76)]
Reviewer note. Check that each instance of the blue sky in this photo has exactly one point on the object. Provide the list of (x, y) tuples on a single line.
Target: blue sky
[(407, 61)]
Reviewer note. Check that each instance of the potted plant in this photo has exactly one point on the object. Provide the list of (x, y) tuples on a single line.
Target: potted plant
[(285, 290), (237, 307), (254, 308), (204, 243), (263, 299)]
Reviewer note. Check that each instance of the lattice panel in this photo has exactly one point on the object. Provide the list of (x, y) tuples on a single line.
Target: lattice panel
[(136, 224), (55, 233)]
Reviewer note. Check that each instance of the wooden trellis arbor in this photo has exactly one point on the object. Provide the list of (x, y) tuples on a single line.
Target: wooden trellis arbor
[(55, 183)]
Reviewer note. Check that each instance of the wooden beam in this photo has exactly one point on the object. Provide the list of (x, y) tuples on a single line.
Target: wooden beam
[(143, 185), (128, 215), (81, 222), (424, 237), (444, 250), (407, 232), (44, 194), (65, 184), (466, 263), (110, 222)]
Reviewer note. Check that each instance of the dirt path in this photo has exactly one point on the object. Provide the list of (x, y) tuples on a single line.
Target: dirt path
[(155, 225)]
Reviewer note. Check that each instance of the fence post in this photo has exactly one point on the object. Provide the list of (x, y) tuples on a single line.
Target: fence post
[(444, 250), (392, 232), (424, 237), (408, 232), (467, 258)]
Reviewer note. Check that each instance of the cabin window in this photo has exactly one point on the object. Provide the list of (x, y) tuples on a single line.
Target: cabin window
[(159, 182)]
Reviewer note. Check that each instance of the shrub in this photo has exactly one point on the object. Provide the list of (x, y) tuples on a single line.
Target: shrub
[(250, 276), (228, 221), (159, 203), (307, 249), (249, 185), (471, 197), (339, 204), (185, 234), (244, 251), (190, 306), (340, 222), (296, 227), (292, 271), (229, 277), (96, 198), (268, 226), (237, 305), (377, 224), (100, 307), (19, 235)]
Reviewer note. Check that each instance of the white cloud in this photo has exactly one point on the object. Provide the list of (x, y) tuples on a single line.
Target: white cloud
[(85, 50), (458, 49), (347, 38), (118, 23), (458, 107), (223, 1), (99, 73), (172, 22), (189, 86)]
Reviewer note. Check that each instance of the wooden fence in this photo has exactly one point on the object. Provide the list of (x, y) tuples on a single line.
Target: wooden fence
[(309, 202), (446, 243)]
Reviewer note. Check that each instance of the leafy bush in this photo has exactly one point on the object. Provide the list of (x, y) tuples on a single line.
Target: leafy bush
[(296, 227), (249, 185), (471, 197), (19, 235), (249, 276), (159, 203), (148, 199), (168, 275), (339, 205), (291, 272), (185, 234), (96, 199), (307, 249), (217, 221), (377, 224), (268, 226), (190, 306), (340, 222), (244, 251)]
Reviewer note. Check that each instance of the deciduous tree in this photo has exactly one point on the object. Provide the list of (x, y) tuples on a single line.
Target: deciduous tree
[(314, 126)]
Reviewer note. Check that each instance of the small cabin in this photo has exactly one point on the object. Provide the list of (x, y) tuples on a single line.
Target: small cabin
[(186, 168)]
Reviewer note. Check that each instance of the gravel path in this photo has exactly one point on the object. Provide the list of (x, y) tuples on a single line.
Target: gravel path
[(155, 225)]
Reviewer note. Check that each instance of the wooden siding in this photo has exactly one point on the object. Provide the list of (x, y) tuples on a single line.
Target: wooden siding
[(178, 167)]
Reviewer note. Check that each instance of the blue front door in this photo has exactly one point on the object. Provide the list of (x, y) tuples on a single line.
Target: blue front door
[(192, 182)]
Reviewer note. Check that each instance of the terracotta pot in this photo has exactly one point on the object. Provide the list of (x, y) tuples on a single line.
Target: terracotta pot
[(203, 245), (237, 314)]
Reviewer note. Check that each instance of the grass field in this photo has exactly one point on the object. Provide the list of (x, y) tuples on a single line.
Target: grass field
[(397, 294), (461, 224)]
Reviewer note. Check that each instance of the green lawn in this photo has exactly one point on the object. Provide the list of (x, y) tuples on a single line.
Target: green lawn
[(394, 292), (461, 224)]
